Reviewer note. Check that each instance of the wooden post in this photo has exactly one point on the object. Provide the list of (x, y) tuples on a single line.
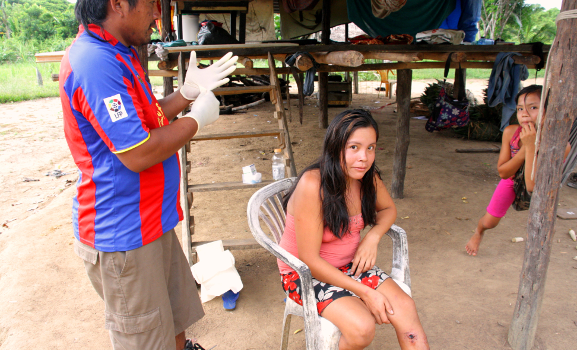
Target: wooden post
[(143, 56), (324, 77), (404, 79), (166, 36), (543, 210), (356, 82)]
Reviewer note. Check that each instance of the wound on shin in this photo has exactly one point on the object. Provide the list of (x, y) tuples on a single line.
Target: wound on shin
[(412, 337)]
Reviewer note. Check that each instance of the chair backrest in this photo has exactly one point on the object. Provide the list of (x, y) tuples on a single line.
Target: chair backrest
[(266, 205)]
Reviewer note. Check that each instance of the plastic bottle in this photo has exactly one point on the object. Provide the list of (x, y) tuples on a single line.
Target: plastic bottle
[(277, 165)]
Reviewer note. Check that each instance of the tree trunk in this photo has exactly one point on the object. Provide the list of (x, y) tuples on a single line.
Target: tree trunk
[(543, 210)]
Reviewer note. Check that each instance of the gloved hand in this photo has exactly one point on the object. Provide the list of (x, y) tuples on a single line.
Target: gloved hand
[(208, 78), (204, 110)]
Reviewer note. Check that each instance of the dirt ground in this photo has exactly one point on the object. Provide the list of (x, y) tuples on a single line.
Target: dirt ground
[(46, 300)]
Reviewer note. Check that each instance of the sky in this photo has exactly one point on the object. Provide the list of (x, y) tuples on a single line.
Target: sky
[(547, 4)]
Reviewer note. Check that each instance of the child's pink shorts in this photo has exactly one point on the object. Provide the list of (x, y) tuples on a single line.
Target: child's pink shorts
[(502, 199)]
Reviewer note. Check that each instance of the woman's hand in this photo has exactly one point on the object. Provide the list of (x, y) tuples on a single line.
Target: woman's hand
[(366, 254), (378, 304), (528, 135)]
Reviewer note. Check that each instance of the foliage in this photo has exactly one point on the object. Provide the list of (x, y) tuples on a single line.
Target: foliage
[(18, 81), (32, 26), (534, 24)]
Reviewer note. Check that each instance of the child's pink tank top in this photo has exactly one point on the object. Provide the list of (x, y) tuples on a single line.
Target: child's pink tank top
[(514, 143), (337, 252)]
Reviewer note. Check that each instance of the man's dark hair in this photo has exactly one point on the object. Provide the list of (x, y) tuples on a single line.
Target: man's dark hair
[(94, 12)]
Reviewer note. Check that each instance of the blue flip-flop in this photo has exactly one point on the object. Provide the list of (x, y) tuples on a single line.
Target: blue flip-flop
[(229, 300)]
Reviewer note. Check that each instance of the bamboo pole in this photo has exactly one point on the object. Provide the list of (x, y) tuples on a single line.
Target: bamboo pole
[(543, 210)]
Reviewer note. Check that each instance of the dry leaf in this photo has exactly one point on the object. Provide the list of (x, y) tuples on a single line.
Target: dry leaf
[(298, 330)]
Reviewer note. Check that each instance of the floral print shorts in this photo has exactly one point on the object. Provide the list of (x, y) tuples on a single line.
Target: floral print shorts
[(326, 293)]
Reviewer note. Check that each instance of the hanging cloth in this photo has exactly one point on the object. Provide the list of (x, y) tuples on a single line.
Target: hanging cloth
[(291, 6), (504, 82), (383, 8), (416, 16)]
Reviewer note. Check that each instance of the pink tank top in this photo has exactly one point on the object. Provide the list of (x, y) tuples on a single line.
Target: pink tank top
[(337, 252), (514, 143)]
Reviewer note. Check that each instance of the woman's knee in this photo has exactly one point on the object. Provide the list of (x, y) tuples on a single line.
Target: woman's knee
[(361, 333)]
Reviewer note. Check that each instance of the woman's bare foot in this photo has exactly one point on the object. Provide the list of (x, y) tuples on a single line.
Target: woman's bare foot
[(472, 246)]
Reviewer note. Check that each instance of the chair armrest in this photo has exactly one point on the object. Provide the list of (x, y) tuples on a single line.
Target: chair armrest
[(400, 267)]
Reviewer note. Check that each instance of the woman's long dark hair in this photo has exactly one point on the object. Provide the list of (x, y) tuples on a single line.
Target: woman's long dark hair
[(333, 177), (94, 12)]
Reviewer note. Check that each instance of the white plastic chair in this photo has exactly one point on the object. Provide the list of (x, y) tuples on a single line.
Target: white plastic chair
[(320, 334)]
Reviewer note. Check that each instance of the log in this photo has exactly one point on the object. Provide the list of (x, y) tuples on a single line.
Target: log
[(256, 103), (478, 56), (404, 79), (340, 58), (542, 212), (245, 61), (394, 56), (304, 63)]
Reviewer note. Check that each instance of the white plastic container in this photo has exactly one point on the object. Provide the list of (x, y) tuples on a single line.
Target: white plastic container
[(278, 165), (190, 28)]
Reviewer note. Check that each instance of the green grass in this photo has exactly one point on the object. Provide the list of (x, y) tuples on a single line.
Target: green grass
[(18, 81)]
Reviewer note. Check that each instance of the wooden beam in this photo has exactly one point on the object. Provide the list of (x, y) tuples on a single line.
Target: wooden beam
[(545, 198), (304, 63), (404, 79), (394, 56)]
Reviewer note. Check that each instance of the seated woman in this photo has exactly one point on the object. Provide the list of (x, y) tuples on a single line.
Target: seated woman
[(331, 202)]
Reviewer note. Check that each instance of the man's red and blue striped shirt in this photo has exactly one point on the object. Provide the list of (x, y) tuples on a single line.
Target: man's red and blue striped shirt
[(109, 108)]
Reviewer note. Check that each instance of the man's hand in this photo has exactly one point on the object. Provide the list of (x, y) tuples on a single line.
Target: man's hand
[(204, 110), (208, 78)]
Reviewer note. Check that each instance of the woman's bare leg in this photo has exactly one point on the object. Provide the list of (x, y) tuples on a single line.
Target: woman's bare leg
[(405, 319), (354, 320), (487, 222)]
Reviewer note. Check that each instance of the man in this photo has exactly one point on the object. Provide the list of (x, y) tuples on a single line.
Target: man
[(127, 203)]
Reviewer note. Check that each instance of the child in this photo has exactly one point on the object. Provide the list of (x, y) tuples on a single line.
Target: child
[(331, 202), (518, 148)]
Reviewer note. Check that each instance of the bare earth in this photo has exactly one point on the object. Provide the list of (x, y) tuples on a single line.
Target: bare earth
[(46, 300)]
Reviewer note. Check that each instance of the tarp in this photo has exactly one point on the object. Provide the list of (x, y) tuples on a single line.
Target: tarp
[(300, 23), (416, 16)]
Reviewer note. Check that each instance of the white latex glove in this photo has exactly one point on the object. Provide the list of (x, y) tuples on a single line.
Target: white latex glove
[(208, 78), (205, 110)]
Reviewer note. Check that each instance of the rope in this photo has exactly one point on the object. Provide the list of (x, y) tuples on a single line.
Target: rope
[(561, 16)]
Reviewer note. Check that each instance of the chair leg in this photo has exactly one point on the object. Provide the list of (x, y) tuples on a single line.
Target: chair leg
[(285, 331)]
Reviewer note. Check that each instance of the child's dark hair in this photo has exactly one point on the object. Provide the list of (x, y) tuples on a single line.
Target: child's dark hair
[(333, 177), (531, 89)]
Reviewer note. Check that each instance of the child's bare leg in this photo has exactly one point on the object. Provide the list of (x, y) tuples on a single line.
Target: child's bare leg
[(410, 332), (354, 320), (487, 222)]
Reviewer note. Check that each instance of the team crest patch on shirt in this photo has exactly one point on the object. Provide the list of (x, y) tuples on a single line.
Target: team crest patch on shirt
[(115, 107)]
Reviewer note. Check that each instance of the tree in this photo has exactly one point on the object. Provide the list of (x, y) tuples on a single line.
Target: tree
[(535, 24), (495, 15)]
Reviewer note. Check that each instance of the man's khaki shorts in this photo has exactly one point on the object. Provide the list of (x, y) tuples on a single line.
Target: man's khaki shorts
[(149, 292)]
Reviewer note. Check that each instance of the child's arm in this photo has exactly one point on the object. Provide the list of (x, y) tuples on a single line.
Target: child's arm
[(507, 166), (366, 254)]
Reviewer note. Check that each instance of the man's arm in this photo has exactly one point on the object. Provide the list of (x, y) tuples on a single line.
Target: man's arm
[(173, 104), (167, 140)]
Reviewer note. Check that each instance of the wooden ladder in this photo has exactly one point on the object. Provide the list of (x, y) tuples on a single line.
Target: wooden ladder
[(187, 189)]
